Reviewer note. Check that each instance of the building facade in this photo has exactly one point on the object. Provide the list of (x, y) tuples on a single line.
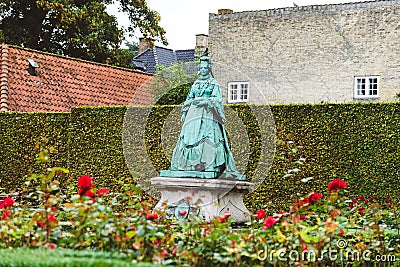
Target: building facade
[(309, 54)]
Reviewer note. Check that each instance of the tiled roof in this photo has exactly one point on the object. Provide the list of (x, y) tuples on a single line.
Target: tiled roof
[(185, 55), (148, 60), (164, 56), (61, 82)]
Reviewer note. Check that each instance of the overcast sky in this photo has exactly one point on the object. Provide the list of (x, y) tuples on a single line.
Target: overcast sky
[(183, 19)]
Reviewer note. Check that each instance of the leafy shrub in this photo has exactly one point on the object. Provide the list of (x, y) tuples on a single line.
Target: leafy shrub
[(23, 257), (87, 218)]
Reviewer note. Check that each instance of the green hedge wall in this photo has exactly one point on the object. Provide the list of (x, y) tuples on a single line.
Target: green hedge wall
[(357, 142), (19, 134)]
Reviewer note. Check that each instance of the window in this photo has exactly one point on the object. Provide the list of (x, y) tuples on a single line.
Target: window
[(366, 87), (238, 92)]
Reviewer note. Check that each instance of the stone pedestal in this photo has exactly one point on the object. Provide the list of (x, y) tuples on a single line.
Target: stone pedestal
[(208, 198)]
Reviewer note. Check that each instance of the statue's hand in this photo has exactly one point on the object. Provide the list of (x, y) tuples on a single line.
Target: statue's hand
[(201, 103), (183, 117)]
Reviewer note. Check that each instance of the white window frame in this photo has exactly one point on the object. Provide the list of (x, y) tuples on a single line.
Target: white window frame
[(368, 84), (238, 92)]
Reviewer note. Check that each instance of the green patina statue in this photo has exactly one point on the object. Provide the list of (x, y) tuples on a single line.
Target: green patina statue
[(202, 150)]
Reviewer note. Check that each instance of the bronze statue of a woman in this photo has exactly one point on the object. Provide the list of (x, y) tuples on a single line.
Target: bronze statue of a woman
[(202, 150)]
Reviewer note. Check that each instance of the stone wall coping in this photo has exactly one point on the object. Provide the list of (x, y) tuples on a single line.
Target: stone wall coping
[(303, 10)]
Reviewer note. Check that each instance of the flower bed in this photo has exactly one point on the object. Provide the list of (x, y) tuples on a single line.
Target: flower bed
[(321, 228)]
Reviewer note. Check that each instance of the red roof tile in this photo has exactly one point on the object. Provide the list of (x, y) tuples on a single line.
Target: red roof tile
[(62, 82)]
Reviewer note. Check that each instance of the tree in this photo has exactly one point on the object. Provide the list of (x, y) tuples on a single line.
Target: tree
[(132, 46), (77, 28), (172, 84)]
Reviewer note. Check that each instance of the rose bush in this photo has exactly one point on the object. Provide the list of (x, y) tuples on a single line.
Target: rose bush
[(43, 215)]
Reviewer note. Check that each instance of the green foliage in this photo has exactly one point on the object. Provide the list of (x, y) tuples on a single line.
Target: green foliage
[(23, 257), (358, 143), (329, 225), (98, 131), (132, 46), (81, 29), (172, 84), (19, 133)]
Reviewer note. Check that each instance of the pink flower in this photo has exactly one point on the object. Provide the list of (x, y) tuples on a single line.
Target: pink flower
[(51, 246), (261, 214), (102, 191), (270, 221), (6, 214), (336, 184), (314, 197)]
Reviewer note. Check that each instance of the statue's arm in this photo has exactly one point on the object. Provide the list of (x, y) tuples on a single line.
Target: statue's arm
[(187, 103), (215, 102)]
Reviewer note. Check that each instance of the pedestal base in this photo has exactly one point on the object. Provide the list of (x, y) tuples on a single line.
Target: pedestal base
[(208, 198)]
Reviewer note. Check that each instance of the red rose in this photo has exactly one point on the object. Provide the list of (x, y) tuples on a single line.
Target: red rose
[(261, 214), (40, 223), (152, 216), (6, 214), (86, 192), (341, 232), (222, 219), (51, 218), (314, 197), (8, 202), (225, 217), (85, 182), (102, 191), (336, 184), (182, 212), (270, 221)]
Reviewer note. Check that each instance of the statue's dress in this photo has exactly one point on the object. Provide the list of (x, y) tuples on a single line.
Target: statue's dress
[(202, 144)]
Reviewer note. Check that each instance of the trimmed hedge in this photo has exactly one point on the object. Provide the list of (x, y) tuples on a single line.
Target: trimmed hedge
[(357, 142), (23, 257), (19, 133)]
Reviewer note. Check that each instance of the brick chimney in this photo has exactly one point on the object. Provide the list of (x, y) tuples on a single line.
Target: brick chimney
[(144, 44), (201, 44), (224, 11)]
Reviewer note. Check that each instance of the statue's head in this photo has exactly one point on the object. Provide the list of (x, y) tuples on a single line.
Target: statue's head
[(205, 60), (204, 67)]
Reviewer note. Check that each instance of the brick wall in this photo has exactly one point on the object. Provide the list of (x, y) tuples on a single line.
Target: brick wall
[(308, 54)]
